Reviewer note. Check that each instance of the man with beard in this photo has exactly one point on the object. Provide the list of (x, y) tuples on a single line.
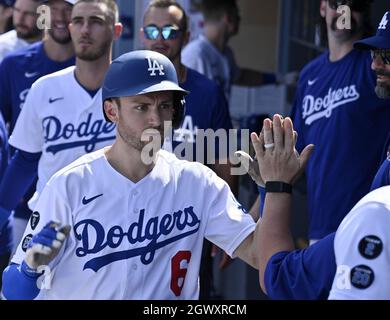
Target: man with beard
[(336, 109), (60, 119), (359, 246), (18, 71), (165, 30), (25, 23)]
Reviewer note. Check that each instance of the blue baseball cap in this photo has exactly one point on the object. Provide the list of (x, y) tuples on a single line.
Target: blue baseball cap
[(7, 3), (382, 38)]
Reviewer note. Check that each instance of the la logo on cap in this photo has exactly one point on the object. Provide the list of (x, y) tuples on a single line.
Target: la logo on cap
[(383, 23), (155, 66)]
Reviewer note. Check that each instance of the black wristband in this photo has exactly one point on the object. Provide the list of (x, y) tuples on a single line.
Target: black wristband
[(278, 186)]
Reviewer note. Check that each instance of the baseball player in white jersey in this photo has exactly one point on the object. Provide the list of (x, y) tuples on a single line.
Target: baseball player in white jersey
[(363, 269), (61, 117), (131, 222)]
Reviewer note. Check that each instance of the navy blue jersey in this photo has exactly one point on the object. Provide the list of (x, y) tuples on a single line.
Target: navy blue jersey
[(337, 110), (302, 274), (18, 71), (206, 108)]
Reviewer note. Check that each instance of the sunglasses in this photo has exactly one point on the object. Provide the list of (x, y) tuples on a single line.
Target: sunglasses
[(168, 32), (354, 5), (384, 54)]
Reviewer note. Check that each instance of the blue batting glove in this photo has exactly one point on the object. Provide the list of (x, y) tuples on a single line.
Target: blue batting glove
[(46, 244), (46, 237)]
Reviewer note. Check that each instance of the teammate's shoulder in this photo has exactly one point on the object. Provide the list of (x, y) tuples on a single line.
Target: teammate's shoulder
[(55, 78), (196, 48), (363, 55), (25, 53), (196, 43), (169, 157), (372, 210), (193, 171), (381, 195), (7, 36), (314, 64), (80, 165), (197, 79), (180, 164), (359, 54)]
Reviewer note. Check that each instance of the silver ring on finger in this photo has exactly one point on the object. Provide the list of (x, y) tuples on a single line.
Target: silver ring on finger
[(269, 145)]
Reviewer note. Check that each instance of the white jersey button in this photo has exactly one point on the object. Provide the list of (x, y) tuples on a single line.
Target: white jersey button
[(134, 267)]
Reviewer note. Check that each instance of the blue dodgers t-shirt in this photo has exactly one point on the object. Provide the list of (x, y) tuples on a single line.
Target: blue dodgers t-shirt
[(18, 71), (206, 108), (337, 110)]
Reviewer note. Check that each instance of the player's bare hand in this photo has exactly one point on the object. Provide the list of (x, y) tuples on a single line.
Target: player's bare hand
[(251, 166), (275, 151), (46, 244)]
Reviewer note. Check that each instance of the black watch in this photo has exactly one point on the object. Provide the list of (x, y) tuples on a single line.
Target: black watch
[(278, 186)]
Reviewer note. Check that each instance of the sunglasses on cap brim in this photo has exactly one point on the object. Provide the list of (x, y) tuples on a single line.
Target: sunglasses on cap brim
[(383, 54), (354, 5), (168, 32)]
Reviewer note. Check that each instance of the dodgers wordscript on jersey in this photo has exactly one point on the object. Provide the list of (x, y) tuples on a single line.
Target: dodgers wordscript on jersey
[(69, 134), (179, 225), (317, 108)]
